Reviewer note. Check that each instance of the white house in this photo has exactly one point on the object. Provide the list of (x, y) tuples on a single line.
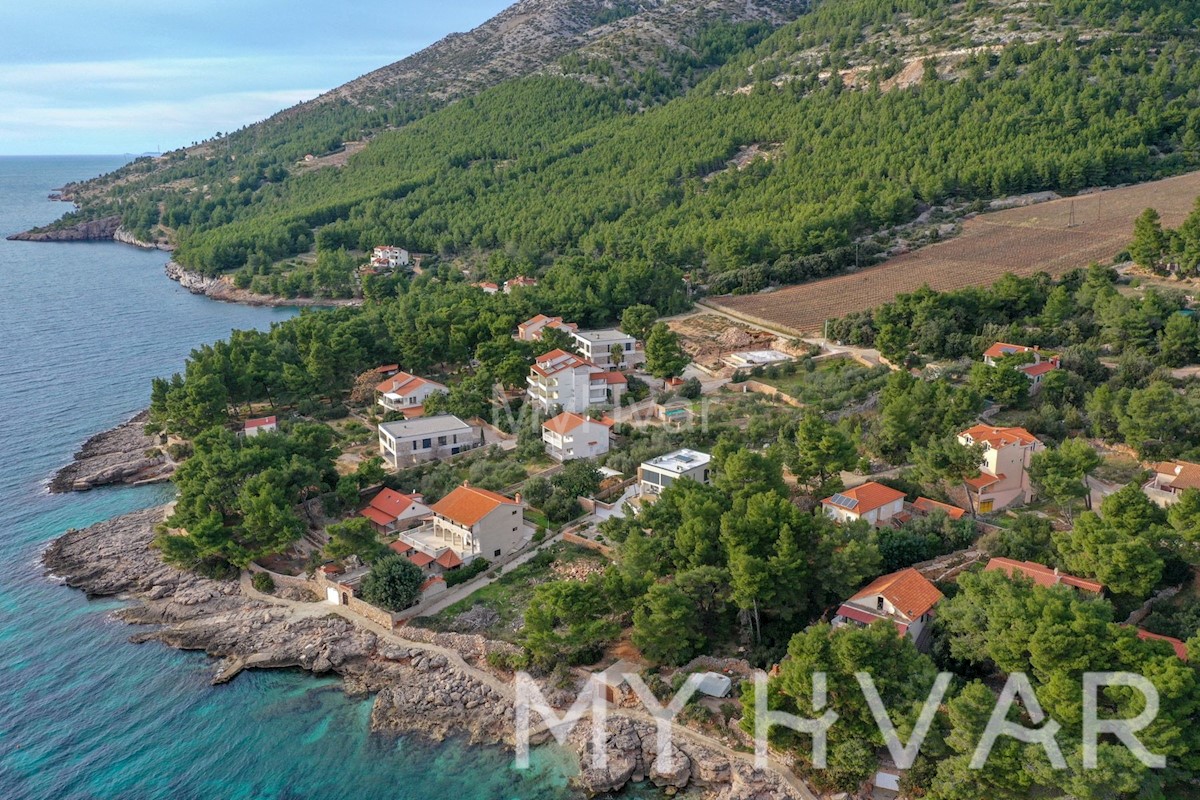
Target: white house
[(407, 393), (411, 441), (389, 257), (600, 346), (1035, 370), (659, 473), (904, 598), (563, 380), (390, 511), (531, 329), (1170, 479), (254, 427), (871, 501), (519, 282), (1003, 477), (569, 436), (465, 524)]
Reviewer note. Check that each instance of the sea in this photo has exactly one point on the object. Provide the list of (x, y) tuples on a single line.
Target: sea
[(83, 712)]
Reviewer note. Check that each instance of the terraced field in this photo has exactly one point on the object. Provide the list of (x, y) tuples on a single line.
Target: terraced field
[(1052, 237)]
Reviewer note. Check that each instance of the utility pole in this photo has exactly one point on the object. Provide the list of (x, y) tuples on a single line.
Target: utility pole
[(1071, 221)]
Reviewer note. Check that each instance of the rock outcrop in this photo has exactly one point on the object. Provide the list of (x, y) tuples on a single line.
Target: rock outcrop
[(220, 287), (124, 455), (91, 231), (125, 237), (433, 684)]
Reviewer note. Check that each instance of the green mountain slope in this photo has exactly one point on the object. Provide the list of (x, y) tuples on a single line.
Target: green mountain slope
[(844, 122)]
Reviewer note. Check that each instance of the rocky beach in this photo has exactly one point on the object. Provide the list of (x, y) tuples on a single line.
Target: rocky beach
[(436, 685), (125, 455)]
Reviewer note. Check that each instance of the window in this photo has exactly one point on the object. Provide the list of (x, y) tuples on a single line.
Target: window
[(441, 440), (879, 603), (496, 554), (426, 444)]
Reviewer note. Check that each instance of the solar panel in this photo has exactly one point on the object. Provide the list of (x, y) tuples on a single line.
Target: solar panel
[(844, 501)]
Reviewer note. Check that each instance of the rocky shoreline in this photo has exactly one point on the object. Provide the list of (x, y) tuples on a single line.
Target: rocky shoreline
[(220, 287), (125, 455), (432, 684)]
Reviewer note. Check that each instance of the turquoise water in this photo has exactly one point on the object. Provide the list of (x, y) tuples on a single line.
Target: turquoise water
[(84, 713)]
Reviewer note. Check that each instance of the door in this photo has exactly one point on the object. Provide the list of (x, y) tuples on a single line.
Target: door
[(986, 505)]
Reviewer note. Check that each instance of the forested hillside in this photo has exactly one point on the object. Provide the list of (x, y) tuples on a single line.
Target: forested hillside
[(849, 120)]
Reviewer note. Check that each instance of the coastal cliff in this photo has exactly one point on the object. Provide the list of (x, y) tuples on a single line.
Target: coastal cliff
[(95, 230), (125, 455), (431, 684), (220, 287)]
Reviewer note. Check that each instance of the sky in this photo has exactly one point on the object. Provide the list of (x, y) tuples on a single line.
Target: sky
[(137, 76)]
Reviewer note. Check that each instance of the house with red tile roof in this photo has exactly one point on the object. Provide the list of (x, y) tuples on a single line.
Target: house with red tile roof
[(925, 506), (562, 381), (1180, 648), (871, 501), (1034, 369), (531, 329), (254, 427), (570, 435), (519, 282), (488, 287), (905, 598), (1043, 575), (1003, 472), (390, 511), (407, 393), (1170, 480), (466, 524)]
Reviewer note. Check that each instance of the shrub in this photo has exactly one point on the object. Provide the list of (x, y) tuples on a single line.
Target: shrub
[(263, 582), (466, 573)]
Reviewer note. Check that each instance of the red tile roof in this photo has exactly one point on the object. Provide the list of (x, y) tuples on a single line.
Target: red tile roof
[(421, 559), (870, 496), (612, 378), (388, 368), (1180, 648), (1041, 368), (983, 480), (393, 503), (405, 384), (403, 548), (925, 505), (1182, 474), (259, 422), (431, 581), (377, 516), (466, 505), (449, 560), (1001, 349), (1042, 575), (564, 422), (907, 590), (999, 437)]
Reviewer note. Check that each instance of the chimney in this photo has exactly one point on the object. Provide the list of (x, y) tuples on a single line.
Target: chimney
[(517, 497)]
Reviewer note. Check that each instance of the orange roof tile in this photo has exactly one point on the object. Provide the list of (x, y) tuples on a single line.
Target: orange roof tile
[(925, 505), (377, 516), (466, 505), (259, 422), (1182, 474), (999, 437), (1042, 575), (405, 384), (403, 548), (431, 581), (449, 559), (983, 480), (1180, 648), (865, 498), (1001, 349), (1041, 368), (564, 422), (907, 590), (421, 559), (392, 503)]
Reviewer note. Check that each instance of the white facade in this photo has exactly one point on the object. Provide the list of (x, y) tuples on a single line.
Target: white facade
[(412, 441), (871, 501), (563, 380), (569, 436), (597, 347), (659, 473), (404, 392), (1006, 455), (390, 257)]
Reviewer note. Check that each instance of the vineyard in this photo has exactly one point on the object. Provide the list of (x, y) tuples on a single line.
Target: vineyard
[(1052, 237)]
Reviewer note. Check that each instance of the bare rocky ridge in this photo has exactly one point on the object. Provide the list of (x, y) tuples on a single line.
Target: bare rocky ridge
[(436, 685), (124, 455)]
